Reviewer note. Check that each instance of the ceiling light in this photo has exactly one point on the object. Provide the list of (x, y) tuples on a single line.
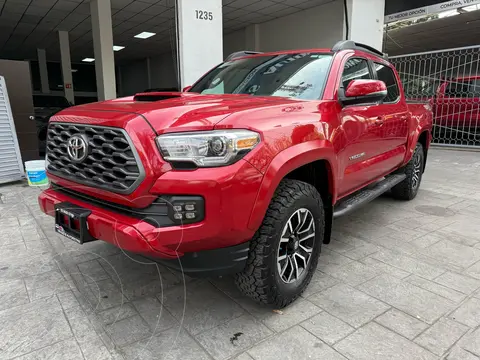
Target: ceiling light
[(118, 48), (88, 60), (144, 35)]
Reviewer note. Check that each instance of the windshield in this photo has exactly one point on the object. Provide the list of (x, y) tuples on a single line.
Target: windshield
[(50, 101), (300, 76)]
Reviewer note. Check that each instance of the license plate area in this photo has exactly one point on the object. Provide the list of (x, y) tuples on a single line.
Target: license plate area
[(71, 222)]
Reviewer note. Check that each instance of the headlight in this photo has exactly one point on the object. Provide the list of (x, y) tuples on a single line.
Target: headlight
[(207, 148)]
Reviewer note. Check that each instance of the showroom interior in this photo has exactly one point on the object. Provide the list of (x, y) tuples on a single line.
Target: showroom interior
[(66, 52)]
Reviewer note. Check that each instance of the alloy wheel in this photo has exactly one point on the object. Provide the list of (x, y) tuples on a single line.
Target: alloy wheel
[(296, 246), (417, 170)]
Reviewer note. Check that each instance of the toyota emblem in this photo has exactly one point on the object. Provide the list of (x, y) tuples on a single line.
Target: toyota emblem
[(77, 148)]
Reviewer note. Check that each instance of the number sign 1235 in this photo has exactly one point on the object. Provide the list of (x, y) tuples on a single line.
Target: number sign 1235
[(203, 15)]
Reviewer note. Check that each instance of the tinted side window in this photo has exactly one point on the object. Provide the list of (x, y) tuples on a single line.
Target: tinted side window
[(457, 89), (475, 88), (460, 89), (355, 69), (387, 75)]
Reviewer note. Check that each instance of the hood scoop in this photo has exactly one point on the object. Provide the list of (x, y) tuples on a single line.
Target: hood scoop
[(156, 96)]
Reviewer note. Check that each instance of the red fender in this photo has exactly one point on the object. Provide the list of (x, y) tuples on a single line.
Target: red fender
[(285, 162), (423, 124)]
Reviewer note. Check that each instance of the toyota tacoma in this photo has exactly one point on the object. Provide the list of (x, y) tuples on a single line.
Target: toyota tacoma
[(243, 172)]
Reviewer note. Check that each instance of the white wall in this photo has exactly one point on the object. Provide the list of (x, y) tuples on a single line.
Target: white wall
[(366, 21), (199, 34)]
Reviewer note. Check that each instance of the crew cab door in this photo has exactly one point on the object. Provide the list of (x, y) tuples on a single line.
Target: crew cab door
[(360, 161), (394, 114)]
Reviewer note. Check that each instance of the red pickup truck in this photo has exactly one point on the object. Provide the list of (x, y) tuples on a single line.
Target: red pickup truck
[(456, 109), (455, 103), (244, 172)]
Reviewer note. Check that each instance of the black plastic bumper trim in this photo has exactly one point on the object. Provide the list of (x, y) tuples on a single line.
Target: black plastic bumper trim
[(210, 263), (158, 214)]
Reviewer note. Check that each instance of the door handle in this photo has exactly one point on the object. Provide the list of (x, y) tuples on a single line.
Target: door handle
[(379, 120)]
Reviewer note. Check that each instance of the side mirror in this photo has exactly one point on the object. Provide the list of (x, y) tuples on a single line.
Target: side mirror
[(364, 91), (186, 88)]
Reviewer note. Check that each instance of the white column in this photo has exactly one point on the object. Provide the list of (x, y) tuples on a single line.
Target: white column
[(66, 66), (200, 38), (103, 48), (366, 20), (42, 63), (252, 33)]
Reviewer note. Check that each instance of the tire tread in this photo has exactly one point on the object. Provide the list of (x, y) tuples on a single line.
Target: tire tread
[(256, 281), (404, 191)]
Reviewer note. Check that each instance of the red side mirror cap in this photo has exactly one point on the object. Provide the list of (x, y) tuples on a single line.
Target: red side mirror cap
[(364, 92), (358, 88)]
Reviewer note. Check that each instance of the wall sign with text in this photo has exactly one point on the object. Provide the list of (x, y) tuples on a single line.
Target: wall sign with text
[(200, 38), (428, 10)]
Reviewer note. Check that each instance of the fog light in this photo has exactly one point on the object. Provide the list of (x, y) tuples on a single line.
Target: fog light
[(178, 216), (184, 210)]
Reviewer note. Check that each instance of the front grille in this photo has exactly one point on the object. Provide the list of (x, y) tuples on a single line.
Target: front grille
[(111, 164)]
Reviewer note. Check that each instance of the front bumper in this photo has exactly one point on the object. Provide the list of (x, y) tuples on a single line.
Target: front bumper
[(228, 204), (209, 263)]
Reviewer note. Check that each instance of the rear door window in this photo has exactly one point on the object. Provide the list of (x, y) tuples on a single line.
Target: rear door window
[(387, 75)]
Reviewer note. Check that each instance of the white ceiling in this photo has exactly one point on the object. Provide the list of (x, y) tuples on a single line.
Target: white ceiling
[(450, 32), (26, 25)]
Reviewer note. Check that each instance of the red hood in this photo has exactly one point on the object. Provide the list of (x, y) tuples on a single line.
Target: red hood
[(183, 111), (176, 112)]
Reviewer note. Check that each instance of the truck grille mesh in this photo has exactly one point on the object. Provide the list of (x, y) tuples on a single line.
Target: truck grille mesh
[(112, 162)]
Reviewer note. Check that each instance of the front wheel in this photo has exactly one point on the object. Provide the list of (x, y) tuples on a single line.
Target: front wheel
[(408, 188), (284, 252)]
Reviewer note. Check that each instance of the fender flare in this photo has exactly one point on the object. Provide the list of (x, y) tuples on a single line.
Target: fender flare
[(285, 162), (413, 140)]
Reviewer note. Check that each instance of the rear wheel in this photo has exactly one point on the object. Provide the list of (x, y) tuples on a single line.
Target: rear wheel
[(408, 188), (284, 252)]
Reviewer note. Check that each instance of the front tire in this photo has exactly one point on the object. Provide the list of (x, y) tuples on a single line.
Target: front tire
[(284, 252), (408, 188)]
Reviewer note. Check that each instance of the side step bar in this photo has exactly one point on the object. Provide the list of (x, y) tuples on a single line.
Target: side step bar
[(363, 197)]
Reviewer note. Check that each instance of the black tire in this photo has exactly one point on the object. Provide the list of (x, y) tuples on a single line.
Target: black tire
[(261, 279), (408, 188)]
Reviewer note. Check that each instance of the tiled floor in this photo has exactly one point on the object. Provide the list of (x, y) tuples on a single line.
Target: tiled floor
[(400, 280)]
